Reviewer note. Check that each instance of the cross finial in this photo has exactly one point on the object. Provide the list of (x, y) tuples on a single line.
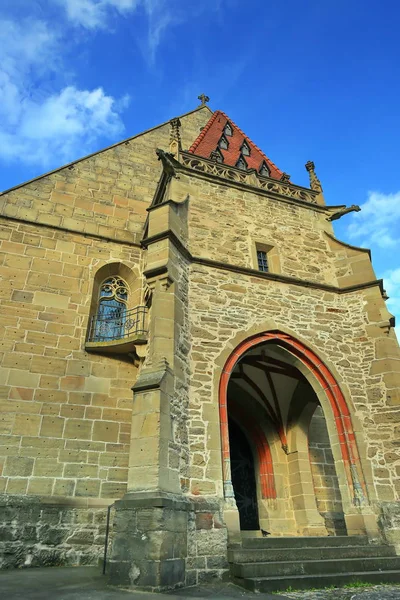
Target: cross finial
[(203, 99)]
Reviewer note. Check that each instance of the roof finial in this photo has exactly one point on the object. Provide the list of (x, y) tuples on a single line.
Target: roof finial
[(315, 183), (203, 99), (175, 144)]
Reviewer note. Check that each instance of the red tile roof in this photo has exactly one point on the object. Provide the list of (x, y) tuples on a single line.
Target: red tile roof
[(208, 140)]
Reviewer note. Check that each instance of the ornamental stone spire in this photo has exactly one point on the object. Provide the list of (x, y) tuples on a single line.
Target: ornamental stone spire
[(315, 183), (175, 144)]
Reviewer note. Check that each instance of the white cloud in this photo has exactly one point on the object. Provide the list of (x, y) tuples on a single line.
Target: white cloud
[(97, 14), (93, 14), (379, 221), (63, 127), (46, 128)]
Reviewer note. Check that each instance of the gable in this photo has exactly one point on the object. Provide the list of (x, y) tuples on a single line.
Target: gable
[(219, 130)]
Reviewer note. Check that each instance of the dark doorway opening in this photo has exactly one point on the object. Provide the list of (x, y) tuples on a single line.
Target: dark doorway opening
[(243, 478)]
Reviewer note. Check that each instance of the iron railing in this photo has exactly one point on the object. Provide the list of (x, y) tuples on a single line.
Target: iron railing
[(118, 325)]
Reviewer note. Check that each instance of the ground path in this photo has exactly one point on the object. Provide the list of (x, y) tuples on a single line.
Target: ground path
[(87, 583)]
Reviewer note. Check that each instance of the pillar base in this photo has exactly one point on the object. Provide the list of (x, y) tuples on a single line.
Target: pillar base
[(149, 546), (232, 521), (363, 522), (389, 523)]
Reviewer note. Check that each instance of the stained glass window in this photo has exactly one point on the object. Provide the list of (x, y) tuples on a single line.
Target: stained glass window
[(111, 311)]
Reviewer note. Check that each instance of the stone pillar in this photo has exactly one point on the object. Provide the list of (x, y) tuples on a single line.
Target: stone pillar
[(308, 519), (389, 523), (150, 539)]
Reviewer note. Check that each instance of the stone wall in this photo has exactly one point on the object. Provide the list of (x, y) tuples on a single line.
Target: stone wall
[(65, 414), (68, 429), (326, 484), (207, 536), (161, 542), (105, 194), (43, 533), (223, 304), (295, 232)]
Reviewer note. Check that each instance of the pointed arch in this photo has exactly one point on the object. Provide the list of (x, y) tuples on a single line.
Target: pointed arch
[(331, 389)]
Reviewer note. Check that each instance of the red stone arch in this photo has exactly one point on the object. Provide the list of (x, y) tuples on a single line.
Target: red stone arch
[(332, 391), (266, 468)]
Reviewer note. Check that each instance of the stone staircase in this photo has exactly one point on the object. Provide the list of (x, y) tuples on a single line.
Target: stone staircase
[(275, 564)]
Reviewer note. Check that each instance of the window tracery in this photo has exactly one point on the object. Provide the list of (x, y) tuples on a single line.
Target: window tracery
[(111, 309)]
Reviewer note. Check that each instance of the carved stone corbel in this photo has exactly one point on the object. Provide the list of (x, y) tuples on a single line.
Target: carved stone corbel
[(340, 213), (169, 162)]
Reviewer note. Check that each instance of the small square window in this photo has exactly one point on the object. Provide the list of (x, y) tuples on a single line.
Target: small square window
[(262, 261)]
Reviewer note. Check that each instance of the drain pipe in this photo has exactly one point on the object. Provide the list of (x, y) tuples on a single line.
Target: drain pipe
[(107, 535)]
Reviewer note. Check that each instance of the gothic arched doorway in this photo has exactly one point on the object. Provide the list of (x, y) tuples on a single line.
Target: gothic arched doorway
[(264, 380)]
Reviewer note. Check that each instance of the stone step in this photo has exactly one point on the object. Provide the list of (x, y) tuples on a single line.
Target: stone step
[(304, 542), (254, 555), (301, 582), (314, 567)]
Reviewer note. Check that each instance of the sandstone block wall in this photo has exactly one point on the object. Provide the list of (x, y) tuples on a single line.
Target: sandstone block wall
[(334, 325), (350, 331), (326, 484), (65, 414), (226, 223)]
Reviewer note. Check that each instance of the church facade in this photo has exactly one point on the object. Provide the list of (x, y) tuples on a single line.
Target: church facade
[(189, 357)]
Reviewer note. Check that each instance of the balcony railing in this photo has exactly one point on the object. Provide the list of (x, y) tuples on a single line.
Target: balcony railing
[(121, 324)]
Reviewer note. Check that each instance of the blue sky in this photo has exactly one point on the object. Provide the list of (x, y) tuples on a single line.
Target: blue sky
[(316, 79)]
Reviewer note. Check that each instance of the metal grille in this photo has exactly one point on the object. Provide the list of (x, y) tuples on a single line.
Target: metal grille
[(117, 324), (262, 261)]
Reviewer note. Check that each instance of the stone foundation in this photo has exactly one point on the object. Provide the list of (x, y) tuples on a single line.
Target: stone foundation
[(207, 541), (37, 533), (389, 522), (164, 542)]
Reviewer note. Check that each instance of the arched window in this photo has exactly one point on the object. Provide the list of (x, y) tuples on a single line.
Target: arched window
[(111, 310)]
